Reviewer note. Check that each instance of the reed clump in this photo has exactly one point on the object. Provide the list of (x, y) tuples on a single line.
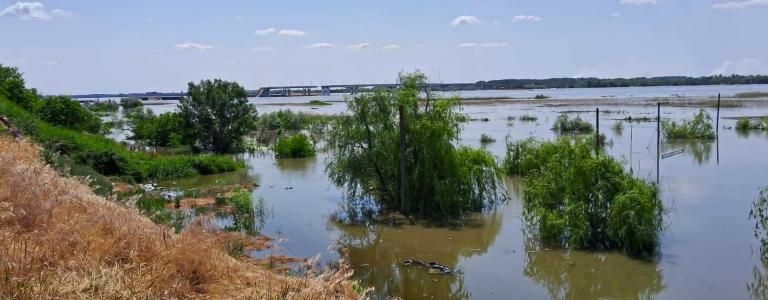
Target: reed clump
[(60, 240)]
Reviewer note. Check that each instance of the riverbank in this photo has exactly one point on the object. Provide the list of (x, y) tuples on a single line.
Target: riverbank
[(60, 240)]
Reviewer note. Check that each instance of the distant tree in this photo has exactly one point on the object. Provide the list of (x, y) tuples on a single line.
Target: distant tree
[(65, 112), (217, 115), (12, 87)]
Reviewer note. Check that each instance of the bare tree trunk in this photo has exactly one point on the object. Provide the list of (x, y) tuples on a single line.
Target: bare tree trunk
[(402, 159)]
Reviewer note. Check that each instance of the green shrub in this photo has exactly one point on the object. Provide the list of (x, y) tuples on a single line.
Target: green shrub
[(130, 102), (165, 130), (318, 103), (108, 106), (295, 146), (698, 128), (485, 139), (65, 112), (541, 96), (565, 124), (759, 213), (618, 128), (576, 199), (745, 124), (528, 118), (106, 156), (243, 214), (639, 119)]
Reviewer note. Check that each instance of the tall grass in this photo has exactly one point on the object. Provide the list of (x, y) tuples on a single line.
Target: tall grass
[(565, 124), (59, 240)]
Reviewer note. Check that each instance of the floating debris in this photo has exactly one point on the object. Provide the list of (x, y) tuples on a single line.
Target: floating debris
[(434, 268)]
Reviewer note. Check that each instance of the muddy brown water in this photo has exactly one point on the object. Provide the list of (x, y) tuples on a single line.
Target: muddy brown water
[(707, 248)]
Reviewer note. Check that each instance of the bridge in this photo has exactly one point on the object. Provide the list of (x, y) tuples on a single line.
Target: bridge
[(323, 90)]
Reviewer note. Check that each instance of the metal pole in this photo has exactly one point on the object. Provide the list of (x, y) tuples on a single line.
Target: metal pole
[(402, 159), (597, 127), (717, 128), (658, 139)]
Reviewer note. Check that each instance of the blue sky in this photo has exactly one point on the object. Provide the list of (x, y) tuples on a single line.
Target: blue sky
[(111, 46)]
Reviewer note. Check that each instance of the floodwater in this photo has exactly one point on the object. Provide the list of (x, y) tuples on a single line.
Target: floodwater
[(707, 248)]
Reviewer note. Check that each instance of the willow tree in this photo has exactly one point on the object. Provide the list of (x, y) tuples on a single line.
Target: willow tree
[(443, 180)]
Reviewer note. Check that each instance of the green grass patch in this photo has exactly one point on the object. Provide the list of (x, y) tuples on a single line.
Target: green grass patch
[(745, 124), (295, 146), (319, 103), (700, 128)]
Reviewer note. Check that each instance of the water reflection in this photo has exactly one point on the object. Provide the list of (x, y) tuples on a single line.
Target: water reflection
[(700, 151), (376, 252), (591, 275)]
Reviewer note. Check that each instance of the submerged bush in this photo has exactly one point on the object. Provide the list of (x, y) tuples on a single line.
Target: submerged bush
[(565, 124), (443, 181), (130, 102), (485, 139), (165, 130), (108, 106), (746, 124), (528, 118), (759, 213), (295, 146), (577, 199), (699, 128)]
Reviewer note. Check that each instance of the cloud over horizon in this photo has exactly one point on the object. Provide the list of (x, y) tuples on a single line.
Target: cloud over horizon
[(638, 2), (321, 45), (265, 31), (740, 4), (194, 46), (465, 20), (361, 46), (291, 33), (524, 18), (33, 11), (483, 45)]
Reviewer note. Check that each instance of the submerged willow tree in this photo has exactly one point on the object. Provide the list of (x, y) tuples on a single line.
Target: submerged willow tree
[(443, 180)]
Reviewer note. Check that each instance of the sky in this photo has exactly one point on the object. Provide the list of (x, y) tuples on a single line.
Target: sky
[(84, 46)]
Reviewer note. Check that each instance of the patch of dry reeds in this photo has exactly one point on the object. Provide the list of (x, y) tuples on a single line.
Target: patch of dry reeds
[(60, 240)]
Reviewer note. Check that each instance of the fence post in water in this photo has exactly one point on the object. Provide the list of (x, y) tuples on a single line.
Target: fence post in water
[(402, 159), (597, 130), (717, 128), (658, 139)]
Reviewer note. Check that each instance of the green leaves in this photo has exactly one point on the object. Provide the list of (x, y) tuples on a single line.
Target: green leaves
[(576, 199), (217, 114), (295, 146), (443, 181), (699, 128)]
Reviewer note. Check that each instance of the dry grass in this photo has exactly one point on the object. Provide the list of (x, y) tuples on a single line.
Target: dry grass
[(59, 240)]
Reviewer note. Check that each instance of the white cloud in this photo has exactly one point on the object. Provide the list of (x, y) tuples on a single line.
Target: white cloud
[(51, 63), (740, 4), (291, 33), (321, 46), (615, 15), (638, 2), (32, 11), (390, 47), (483, 45), (361, 46), (524, 18), (745, 66), (263, 49), (465, 20), (265, 31), (61, 13), (194, 46)]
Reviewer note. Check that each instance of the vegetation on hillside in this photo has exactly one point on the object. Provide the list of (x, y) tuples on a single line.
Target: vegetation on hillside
[(101, 154), (444, 181), (700, 128), (577, 199)]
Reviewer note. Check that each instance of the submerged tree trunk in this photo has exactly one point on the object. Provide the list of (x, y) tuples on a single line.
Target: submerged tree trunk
[(402, 159)]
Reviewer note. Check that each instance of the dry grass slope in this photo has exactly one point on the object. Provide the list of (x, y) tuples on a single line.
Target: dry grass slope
[(59, 240)]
